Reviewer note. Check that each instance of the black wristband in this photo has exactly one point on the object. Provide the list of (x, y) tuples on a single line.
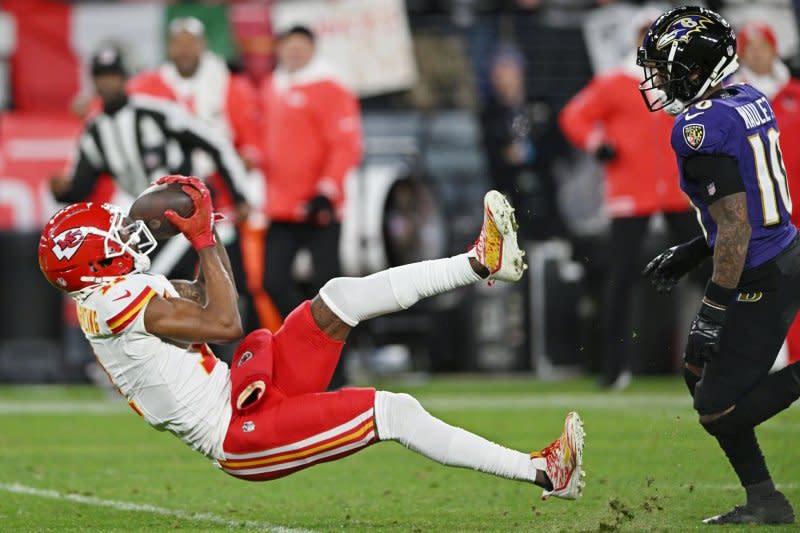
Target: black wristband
[(716, 294)]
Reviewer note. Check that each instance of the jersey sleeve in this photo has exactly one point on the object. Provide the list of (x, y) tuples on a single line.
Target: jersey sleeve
[(121, 303), (717, 176), (706, 129)]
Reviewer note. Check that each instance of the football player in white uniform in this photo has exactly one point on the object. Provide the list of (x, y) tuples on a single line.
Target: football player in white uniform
[(269, 415)]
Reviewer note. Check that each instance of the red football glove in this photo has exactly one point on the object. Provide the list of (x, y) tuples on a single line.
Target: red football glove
[(197, 183), (179, 178), (198, 228)]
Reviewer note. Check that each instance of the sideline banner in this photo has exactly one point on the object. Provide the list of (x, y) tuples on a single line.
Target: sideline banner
[(33, 147), (368, 42)]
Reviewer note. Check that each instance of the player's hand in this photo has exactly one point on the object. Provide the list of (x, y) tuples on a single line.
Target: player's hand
[(197, 183), (667, 268), (605, 153), (319, 210), (199, 227), (704, 334)]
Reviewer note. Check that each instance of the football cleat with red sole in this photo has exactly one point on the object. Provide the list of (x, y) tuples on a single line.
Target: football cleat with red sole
[(564, 458), (496, 247)]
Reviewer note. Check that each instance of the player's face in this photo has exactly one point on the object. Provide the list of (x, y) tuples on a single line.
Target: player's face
[(109, 87), (759, 55), (295, 52), (127, 229), (184, 51)]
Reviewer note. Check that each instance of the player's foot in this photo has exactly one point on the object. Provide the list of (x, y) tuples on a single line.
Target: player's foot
[(775, 509), (496, 247), (564, 458)]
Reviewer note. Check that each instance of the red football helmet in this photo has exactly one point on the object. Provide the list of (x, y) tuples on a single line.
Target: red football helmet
[(89, 243)]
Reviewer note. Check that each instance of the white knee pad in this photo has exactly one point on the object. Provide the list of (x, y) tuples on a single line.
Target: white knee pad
[(335, 294)]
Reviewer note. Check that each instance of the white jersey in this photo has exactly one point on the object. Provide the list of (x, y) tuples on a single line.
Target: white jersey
[(178, 388)]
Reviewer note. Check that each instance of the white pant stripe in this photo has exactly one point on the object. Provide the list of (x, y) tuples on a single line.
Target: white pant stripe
[(304, 461), (343, 428)]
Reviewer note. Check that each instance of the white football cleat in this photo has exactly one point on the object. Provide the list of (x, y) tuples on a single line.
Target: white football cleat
[(564, 458), (496, 247)]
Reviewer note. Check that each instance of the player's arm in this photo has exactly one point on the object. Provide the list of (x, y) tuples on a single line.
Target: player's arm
[(217, 320), (733, 237), (195, 290), (183, 319), (717, 176), (724, 193), (190, 290)]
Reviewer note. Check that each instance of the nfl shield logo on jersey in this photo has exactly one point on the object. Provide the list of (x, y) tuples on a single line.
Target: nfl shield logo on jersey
[(694, 134), (248, 426)]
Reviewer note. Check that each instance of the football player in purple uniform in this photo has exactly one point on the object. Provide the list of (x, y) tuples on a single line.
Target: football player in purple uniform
[(726, 140)]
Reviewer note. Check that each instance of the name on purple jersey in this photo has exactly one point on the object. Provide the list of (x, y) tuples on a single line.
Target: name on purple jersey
[(756, 113)]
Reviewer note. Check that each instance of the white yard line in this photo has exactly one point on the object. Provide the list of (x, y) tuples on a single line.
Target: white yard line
[(53, 407), (18, 488)]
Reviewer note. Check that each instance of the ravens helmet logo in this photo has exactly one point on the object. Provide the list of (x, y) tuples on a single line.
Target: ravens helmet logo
[(682, 28)]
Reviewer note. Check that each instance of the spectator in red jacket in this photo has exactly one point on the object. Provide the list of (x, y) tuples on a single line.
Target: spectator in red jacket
[(200, 80), (312, 141), (607, 118), (763, 69)]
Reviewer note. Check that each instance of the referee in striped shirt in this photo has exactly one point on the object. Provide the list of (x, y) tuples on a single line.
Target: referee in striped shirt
[(137, 139)]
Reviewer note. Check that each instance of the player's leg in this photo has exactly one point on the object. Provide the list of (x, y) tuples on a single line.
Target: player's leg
[(558, 468), (495, 255), (310, 341), (292, 433), (735, 394)]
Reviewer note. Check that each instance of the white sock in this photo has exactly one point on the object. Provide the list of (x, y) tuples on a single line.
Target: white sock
[(388, 291), (401, 418)]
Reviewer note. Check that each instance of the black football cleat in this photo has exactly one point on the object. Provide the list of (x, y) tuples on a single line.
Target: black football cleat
[(773, 510)]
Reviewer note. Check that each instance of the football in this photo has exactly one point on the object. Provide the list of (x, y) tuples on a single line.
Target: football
[(151, 204)]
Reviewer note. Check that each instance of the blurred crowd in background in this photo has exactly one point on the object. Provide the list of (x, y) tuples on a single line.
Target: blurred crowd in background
[(341, 137)]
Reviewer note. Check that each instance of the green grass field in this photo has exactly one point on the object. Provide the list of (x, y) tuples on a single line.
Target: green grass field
[(72, 460)]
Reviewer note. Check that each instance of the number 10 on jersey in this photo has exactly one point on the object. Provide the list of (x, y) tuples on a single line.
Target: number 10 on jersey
[(770, 172)]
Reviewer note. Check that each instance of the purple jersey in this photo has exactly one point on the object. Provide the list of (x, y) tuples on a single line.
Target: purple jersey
[(739, 123)]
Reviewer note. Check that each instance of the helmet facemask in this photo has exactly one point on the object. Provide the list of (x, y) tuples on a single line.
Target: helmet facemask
[(123, 237), (666, 85)]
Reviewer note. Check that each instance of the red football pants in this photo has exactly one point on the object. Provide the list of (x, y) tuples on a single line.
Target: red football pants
[(294, 424)]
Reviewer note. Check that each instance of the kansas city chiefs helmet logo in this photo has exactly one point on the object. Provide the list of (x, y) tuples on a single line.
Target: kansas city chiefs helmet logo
[(68, 242)]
